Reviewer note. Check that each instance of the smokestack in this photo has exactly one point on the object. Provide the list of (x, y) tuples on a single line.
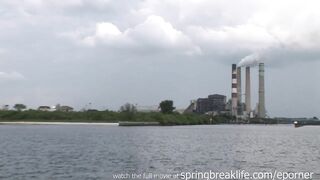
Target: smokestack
[(239, 91), (248, 91), (234, 93), (261, 106)]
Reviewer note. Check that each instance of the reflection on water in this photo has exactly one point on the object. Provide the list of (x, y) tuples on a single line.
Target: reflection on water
[(97, 152)]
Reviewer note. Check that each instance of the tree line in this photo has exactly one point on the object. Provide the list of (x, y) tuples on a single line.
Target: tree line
[(165, 106)]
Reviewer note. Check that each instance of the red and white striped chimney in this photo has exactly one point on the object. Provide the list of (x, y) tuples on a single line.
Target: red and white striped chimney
[(234, 93)]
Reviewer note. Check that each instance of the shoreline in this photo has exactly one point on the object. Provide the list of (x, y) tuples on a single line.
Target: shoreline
[(57, 123), (121, 123)]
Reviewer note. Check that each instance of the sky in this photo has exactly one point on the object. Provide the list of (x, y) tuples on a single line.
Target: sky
[(102, 53)]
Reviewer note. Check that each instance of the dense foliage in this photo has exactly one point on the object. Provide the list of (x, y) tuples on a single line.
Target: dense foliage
[(129, 108), (114, 117), (166, 106), (19, 107), (104, 116)]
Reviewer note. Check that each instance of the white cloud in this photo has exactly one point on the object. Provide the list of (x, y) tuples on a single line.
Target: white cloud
[(2, 51), (119, 38), (244, 37), (245, 25), (47, 4), (4, 76), (154, 32), (105, 32), (205, 27), (107, 29)]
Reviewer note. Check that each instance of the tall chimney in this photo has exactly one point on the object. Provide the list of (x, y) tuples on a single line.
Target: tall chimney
[(248, 91), (239, 91), (234, 93), (261, 105)]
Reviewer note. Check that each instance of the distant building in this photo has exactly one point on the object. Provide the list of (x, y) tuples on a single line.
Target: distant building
[(191, 108), (214, 103), (65, 108), (5, 107), (44, 108), (154, 108)]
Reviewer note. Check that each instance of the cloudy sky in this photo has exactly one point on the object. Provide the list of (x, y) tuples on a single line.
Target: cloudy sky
[(109, 52)]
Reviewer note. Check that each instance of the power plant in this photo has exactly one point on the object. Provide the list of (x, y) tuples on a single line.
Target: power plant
[(216, 104), (234, 93), (244, 110)]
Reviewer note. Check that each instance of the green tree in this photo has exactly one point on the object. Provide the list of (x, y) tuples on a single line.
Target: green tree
[(166, 106), (129, 111), (19, 107), (129, 108)]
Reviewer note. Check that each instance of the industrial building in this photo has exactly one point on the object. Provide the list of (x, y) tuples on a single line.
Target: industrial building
[(217, 104), (238, 108), (213, 103)]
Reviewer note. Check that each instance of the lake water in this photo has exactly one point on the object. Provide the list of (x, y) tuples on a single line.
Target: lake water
[(99, 152)]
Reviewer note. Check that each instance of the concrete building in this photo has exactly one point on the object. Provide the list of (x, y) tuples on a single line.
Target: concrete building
[(66, 108), (214, 103), (192, 108)]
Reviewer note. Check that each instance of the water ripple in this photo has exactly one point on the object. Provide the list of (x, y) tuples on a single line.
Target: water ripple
[(94, 152)]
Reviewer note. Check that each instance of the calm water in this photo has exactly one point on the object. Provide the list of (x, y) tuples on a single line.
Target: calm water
[(97, 152)]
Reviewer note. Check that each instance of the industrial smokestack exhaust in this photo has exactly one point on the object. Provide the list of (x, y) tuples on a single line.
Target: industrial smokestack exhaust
[(261, 105), (248, 91), (234, 93)]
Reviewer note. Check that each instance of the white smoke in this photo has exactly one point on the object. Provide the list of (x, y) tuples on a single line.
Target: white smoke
[(250, 60)]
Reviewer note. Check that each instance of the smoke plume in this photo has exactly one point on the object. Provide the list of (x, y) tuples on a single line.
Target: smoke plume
[(250, 60)]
